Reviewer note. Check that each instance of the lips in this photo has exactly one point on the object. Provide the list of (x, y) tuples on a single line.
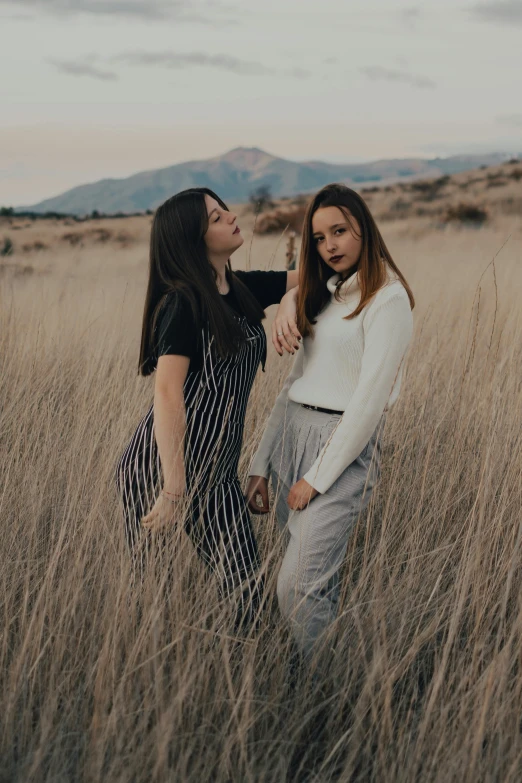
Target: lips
[(236, 230), (335, 259)]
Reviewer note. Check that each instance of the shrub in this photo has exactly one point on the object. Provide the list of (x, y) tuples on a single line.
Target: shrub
[(29, 246), (278, 219), (495, 182), (74, 238), (102, 234), (261, 199), (466, 213), (7, 248)]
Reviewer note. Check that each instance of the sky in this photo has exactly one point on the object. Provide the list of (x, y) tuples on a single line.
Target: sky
[(106, 88)]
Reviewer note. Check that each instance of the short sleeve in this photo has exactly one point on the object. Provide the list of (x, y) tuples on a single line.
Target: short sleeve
[(176, 328), (267, 287)]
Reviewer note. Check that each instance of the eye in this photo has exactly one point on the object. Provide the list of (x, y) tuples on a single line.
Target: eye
[(216, 220), (342, 230), (317, 240)]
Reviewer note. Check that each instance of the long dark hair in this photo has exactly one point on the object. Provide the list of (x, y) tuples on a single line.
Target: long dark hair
[(178, 262), (371, 266)]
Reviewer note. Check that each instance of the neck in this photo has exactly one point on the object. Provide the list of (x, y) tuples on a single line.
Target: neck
[(349, 272), (220, 265)]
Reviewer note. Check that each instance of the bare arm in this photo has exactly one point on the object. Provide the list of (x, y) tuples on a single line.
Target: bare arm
[(292, 279), (170, 419), (285, 334)]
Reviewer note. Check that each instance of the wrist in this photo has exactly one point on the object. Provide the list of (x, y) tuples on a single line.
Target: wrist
[(173, 491), (169, 497)]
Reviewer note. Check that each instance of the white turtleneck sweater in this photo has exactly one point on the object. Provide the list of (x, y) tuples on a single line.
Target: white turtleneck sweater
[(353, 366)]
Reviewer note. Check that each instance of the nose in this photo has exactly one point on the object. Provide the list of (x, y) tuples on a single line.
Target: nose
[(233, 217), (331, 245)]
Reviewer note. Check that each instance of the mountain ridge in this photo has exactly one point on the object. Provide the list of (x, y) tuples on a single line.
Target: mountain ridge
[(236, 173)]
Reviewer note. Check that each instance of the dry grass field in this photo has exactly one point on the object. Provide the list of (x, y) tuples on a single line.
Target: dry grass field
[(101, 680)]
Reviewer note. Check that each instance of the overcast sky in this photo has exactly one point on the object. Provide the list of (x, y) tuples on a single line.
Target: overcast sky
[(97, 88)]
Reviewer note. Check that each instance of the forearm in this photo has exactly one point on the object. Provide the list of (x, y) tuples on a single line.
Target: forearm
[(169, 430)]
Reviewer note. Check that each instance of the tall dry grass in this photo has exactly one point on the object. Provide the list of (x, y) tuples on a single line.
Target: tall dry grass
[(104, 681)]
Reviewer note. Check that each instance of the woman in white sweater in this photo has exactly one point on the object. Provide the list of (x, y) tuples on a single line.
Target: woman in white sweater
[(321, 444)]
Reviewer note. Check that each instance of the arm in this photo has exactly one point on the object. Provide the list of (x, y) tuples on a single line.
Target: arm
[(387, 335), (285, 334), (169, 431), (292, 279), (170, 419), (269, 288)]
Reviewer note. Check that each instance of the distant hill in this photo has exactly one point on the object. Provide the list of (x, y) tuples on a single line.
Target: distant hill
[(234, 175)]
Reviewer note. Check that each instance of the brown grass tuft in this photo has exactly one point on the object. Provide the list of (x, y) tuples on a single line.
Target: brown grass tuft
[(101, 680)]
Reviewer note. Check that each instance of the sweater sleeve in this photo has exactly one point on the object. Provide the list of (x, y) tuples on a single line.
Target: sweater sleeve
[(260, 465), (387, 333)]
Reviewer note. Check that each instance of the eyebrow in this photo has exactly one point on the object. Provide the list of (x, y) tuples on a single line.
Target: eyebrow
[(336, 225)]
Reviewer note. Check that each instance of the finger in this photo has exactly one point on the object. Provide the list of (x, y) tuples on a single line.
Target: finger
[(285, 340), (289, 334), (275, 339), (261, 501), (149, 518), (263, 494), (251, 490), (284, 335), (255, 508), (160, 522), (292, 324), (152, 524)]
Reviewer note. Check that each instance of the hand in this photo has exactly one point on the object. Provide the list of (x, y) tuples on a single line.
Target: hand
[(285, 334), (257, 489), (300, 495), (162, 514)]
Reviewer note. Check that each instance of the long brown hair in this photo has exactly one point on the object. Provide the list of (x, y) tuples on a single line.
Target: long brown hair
[(372, 265), (178, 262)]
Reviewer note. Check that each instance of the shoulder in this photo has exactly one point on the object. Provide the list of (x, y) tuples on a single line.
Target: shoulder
[(392, 293), (176, 328), (389, 309), (255, 277), (176, 307), (181, 300), (267, 286)]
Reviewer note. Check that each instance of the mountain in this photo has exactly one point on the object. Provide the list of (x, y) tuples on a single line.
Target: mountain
[(237, 173)]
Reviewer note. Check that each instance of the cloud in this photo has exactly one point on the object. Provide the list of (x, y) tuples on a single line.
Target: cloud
[(224, 62), (78, 68), (298, 73), (148, 10), (503, 11), (410, 16), (379, 73), (512, 120)]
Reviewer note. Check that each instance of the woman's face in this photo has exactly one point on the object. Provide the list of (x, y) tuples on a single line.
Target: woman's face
[(336, 241), (223, 235)]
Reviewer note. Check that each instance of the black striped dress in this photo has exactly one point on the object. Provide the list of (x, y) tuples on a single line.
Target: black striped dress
[(216, 393)]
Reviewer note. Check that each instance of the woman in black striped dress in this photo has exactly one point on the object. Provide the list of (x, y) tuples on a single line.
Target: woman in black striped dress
[(202, 334)]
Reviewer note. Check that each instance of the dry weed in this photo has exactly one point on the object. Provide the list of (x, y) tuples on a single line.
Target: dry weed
[(102, 680)]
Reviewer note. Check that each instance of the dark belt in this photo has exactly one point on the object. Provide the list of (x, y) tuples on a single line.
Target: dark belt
[(321, 410)]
